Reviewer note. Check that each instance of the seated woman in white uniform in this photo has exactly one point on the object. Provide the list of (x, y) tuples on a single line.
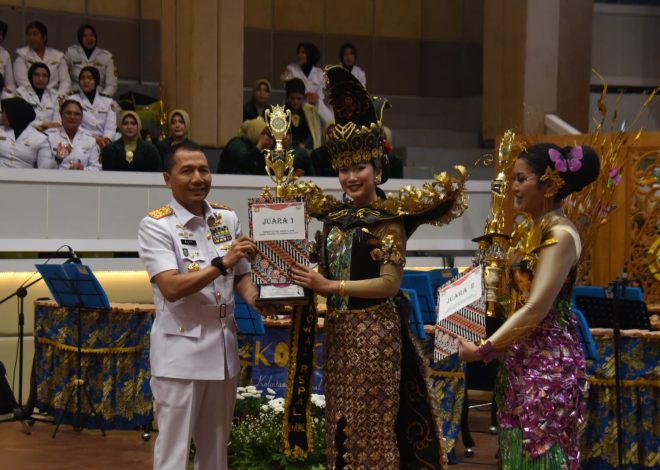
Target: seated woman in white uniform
[(6, 67), (307, 55), (22, 145), (73, 148), (348, 58), (99, 113), (87, 54), (43, 99), (36, 50)]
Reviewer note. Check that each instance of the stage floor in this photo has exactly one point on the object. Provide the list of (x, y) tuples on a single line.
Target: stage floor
[(126, 450)]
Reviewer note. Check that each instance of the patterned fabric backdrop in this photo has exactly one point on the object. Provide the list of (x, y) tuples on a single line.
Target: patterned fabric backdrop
[(640, 404), (115, 363)]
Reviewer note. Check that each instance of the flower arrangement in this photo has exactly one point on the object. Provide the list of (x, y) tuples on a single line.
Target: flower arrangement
[(256, 437)]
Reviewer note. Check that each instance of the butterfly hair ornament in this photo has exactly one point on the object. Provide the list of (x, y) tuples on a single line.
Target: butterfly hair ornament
[(567, 162)]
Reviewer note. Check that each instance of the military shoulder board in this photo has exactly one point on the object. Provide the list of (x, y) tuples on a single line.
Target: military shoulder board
[(215, 205), (161, 212)]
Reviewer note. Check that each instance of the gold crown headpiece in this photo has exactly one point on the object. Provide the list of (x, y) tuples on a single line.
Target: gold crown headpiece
[(357, 135), (349, 144)]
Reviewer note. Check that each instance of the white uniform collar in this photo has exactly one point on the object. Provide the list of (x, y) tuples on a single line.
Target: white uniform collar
[(184, 215)]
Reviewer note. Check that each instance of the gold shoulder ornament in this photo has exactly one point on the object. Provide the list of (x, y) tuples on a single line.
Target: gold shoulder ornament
[(389, 249), (527, 240), (216, 205), (161, 212)]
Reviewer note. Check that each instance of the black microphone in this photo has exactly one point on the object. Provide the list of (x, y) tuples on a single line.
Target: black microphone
[(73, 257)]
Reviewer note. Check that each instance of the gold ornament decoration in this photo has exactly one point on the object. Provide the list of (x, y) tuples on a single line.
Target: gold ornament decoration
[(556, 182), (129, 156)]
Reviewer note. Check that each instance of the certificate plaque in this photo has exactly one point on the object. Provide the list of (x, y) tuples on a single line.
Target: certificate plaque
[(279, 228)]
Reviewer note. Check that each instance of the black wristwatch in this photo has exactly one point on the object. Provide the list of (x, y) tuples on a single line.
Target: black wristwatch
[(217, 262)]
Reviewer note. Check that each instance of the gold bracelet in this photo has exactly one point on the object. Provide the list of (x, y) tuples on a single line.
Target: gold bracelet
[(342, 288)]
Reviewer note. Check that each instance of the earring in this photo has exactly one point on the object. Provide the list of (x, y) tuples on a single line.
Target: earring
[(377, 179)]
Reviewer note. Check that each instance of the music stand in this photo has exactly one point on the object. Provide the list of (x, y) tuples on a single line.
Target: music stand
[(605, 312), (248, 320), (74, 286), (415, 318)]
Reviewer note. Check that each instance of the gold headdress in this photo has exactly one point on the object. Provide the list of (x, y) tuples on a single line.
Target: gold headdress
[(357, 135)]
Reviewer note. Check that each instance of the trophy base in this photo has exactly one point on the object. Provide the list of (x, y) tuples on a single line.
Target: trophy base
[(287, 294)]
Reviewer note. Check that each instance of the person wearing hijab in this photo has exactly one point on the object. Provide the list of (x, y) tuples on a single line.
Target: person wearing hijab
[(307, 55), (43, 99), (178, 122), (347, 58), (259, 102), (22, 145), (243, 154), (87, 54), (100, 112), (37, 50), (6, 68), (130, 152), (73, 147)]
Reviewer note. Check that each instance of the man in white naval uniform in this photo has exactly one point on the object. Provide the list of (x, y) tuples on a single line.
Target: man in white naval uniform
[(195, 256)]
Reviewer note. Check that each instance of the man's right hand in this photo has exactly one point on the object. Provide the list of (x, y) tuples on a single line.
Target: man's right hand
[(242, 247)]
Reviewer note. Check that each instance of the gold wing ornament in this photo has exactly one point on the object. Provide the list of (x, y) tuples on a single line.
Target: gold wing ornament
[(437, 202)]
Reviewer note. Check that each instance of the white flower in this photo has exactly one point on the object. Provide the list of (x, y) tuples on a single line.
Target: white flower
[(240, 397), (270, 391)]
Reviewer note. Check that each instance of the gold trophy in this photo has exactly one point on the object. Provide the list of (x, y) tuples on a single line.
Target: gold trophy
[(278, 224), (279, 162), (494, 243)]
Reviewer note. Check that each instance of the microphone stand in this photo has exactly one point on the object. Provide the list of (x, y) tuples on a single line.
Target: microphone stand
[(21, 414)]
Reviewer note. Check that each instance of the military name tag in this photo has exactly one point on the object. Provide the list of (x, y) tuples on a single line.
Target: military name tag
[(188, 242)]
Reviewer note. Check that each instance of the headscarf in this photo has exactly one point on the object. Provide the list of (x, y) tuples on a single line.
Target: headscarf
[(97, 79), (81, 31), (130, 146), (259, 106), (342, 49), (313, 56), (33, 68), (19, 114), (252, 128), (186, 120), (261, 81)]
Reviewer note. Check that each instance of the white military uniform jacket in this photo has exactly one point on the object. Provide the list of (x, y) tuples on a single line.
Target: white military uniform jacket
[(359, 74), (99, 118), (100, 59), (54, 59), (30, 150), (47, 108), (313, 84), (7, 70), (194, 337), (83, 148)]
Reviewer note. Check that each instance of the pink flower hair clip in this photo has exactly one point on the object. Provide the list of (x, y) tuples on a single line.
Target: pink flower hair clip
[(571, 162)]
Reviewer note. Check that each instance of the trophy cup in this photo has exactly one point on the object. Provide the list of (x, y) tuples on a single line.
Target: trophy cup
[(278, 225), (494, 243)]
